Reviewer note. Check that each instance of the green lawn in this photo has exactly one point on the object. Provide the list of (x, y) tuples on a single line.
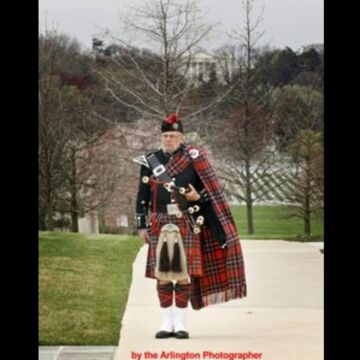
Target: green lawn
[(273, 222), (84, 282)]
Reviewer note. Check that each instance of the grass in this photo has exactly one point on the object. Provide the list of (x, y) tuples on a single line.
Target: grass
[(84, 282), (273, 222)]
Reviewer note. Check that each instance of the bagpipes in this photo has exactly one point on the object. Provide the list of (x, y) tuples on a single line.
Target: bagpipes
[(160, 177), (174, 209)]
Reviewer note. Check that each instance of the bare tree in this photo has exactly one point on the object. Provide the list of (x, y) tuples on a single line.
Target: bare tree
[(227, 60), (136, 138), (246, 132), (306, 192), (90, 173), (75, 176), (174, 30), (246, 160), (56, 52)]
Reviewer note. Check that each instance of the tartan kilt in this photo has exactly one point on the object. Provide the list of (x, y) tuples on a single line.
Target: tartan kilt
[(191, 243), (216, 274)]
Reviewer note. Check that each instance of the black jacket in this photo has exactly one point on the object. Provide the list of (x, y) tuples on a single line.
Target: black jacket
[(145, 197)]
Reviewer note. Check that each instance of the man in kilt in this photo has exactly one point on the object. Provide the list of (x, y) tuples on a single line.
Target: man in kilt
[(194, 250)]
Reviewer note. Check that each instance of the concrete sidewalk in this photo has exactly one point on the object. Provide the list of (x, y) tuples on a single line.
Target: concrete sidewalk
[(282, 316), (76, 352)]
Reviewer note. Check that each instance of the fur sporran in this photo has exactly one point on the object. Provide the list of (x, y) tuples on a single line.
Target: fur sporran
[(170, 254)]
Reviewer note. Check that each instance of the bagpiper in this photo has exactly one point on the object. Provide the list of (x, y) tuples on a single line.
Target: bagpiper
[(194, 251)]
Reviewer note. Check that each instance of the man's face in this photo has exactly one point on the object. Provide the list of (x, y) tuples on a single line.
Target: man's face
[(171, 140)]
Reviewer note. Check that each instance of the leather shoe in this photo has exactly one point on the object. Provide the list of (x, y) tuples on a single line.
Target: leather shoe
[(163, 334), (182, 334)]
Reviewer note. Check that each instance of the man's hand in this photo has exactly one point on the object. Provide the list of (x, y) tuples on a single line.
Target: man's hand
[(192, 195), (144, 235)]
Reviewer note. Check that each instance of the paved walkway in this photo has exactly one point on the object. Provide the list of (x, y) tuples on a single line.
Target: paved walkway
[(282, 317), (76, 352)]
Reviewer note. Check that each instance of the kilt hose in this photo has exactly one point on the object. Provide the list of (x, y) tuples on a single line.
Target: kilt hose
[(216, 274)]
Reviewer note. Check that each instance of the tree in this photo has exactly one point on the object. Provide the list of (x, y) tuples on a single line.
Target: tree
[(70, 135), (51, 153), (281, 67), (246, 133), (296, 108), (307, 190), (299, 123), (311, 70), (285, 66), (56, 52), (310, 60), (153, 88)]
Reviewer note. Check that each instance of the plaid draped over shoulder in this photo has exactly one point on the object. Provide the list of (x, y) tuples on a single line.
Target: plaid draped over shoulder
[(223, 268)]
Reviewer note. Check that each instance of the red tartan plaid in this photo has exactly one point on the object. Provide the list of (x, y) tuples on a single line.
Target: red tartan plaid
[(221, 271)]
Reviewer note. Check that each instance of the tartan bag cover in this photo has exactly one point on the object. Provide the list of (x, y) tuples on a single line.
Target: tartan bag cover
[(223, 276)]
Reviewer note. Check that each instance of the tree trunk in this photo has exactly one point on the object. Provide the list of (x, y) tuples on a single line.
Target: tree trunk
[(74, 222), (49, 219), (49, 213), (250, 222), (249, 202), (73, 195), (102, 220), (307, 226), (49, 201), (307, 208), (42, 223)]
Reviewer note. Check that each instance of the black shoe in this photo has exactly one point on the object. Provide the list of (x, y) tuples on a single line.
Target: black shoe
[(163, 334), (182, 334)]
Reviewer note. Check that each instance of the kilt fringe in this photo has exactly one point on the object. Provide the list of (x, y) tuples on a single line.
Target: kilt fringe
[(198, 303), (224, 296)]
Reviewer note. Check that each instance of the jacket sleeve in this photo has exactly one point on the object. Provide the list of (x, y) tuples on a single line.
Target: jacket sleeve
[(143, 199)]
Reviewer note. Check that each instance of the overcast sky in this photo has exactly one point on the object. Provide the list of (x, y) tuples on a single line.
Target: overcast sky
[(292, 23)]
